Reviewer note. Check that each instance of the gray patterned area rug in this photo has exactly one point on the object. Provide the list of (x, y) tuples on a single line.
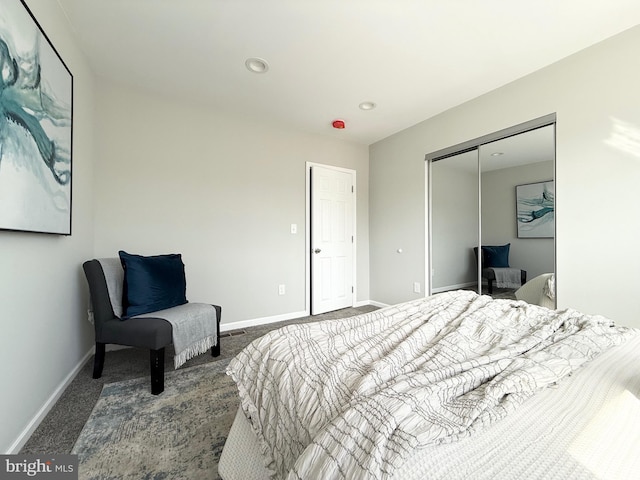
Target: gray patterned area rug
[(178, 434)]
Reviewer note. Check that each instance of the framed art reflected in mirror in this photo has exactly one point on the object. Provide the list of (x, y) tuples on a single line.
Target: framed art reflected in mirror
[(535, 210)]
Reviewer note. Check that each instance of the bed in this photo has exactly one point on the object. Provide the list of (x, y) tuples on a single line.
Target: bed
[(540, 290), (452, 386)]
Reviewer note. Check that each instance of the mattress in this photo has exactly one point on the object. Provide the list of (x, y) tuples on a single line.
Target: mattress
[(241, 458), (586, 427)]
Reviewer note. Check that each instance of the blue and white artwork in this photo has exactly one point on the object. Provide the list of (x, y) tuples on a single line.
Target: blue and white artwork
[(535, 207), (36, 92)]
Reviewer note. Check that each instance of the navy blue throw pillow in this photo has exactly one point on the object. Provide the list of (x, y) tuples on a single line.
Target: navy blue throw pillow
[(152, 283), (496, 256)]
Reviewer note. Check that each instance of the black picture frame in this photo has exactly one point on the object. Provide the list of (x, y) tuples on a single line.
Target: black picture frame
[(36, 127)]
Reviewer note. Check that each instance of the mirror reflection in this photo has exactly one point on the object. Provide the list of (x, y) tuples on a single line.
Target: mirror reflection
[(518, 216), (455, 221), (492, 219)]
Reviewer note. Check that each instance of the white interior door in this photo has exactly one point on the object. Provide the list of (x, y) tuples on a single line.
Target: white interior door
[(332, 238)]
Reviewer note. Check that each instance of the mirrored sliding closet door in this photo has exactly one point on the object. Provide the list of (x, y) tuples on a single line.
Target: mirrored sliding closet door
[(492, 214)]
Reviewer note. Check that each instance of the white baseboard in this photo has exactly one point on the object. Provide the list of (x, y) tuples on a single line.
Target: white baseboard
[(225, 327), (377, 304), (454, 287), (47, 406)]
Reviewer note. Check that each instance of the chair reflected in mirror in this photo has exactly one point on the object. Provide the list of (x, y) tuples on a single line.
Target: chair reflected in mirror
[(496, 270)]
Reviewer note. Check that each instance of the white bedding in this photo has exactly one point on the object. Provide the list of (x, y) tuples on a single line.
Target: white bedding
[(357, 398), (539, 291), (586, 428)]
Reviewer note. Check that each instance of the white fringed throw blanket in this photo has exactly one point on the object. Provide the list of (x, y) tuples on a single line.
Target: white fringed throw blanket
[(194, 325), (352, 398), (194, 329), (507, 277)]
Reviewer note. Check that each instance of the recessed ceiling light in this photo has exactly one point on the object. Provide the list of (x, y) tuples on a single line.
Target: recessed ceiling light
[(367, 106), (256, 65), (497, 154)]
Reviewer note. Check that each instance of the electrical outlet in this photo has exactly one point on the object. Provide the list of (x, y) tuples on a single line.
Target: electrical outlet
[(294, 228), (281, 290), (416, 287)]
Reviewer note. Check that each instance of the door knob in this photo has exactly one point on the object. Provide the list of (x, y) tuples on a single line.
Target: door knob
[(317, 250)]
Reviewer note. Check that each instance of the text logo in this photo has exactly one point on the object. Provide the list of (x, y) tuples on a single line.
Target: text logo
[(51, 467)]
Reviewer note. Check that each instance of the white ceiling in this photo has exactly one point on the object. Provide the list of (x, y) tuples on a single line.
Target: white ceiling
[(414, 58), (534, 146)]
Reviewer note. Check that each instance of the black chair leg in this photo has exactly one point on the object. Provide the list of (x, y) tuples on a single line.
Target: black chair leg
[(490, 284), (215, 351), (523, 277), (157, 371), (98, 360)]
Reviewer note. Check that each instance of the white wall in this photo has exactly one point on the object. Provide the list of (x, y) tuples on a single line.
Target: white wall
[(535, 255), (396, 218), (222, 191), (43, 301), (594, 94)]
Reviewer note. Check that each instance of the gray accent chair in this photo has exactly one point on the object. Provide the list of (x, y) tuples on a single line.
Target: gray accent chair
[(152, 333)]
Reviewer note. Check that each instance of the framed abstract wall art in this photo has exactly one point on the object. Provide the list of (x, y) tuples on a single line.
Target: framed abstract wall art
[(535, 210), (36, 113)]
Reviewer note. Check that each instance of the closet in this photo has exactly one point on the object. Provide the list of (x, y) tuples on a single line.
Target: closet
[(495, 190)]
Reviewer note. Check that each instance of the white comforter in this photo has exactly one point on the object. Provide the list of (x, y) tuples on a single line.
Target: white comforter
[(351, 398)]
